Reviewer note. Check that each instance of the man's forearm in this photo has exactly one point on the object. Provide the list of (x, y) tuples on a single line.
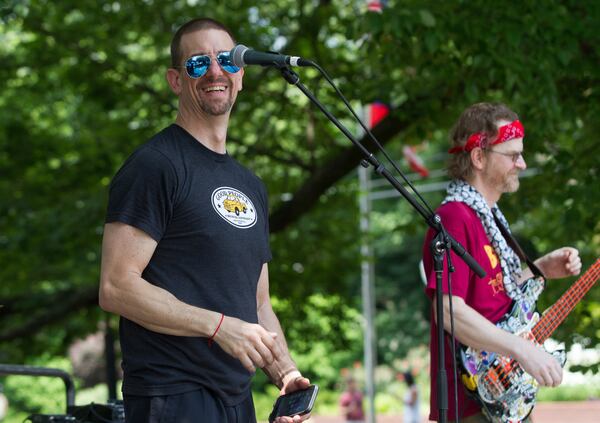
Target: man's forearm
[(155, 308), (283, 367), (525, 274), (474, 330)]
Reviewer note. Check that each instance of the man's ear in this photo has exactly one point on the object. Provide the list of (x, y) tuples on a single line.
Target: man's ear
[(478, 158), (174, 80)]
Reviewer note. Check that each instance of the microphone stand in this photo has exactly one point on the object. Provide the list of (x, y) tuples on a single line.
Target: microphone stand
[(440, 245)]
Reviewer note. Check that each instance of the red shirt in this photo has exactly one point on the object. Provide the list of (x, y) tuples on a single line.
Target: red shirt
[(485, 295), (354, 397)]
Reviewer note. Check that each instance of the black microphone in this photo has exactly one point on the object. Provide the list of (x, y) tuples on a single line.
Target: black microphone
[(241, 56)]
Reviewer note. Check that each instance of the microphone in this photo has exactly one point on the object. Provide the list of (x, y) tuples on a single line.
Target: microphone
[(241, 56)]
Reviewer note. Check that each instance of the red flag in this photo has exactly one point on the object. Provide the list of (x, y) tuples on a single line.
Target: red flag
[(376, 5), (377, 112), (414, 161)]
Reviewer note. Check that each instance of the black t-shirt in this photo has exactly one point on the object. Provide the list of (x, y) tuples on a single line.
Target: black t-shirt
[(209, 216)]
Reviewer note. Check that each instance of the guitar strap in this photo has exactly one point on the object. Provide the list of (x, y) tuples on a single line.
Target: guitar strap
[(512, 242)]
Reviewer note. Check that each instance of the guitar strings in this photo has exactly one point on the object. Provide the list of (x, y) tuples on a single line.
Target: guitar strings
[(558, 312)]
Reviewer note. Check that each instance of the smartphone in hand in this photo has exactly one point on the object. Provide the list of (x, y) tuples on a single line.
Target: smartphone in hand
[(295, 403)]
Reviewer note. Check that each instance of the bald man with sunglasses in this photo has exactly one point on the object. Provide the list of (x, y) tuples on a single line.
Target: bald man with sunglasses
[(486, 159), (185, 253)]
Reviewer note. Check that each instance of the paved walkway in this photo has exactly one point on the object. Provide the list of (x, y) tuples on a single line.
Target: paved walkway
[(545, 412)]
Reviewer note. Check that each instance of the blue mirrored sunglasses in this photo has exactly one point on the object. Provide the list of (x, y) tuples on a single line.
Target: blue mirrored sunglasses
[(196, 66)]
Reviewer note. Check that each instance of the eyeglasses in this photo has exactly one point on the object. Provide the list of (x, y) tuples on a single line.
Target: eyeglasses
[(196, 66), (513, 156)]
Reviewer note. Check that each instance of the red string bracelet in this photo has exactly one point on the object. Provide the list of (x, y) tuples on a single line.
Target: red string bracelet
[(210, 340)]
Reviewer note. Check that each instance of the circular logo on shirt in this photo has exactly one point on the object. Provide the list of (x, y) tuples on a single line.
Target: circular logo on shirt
[(234, 206)]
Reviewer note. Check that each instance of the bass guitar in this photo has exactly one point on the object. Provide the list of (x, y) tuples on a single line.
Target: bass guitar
[(506, 392)]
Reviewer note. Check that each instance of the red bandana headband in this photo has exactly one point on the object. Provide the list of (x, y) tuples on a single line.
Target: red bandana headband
[(507, 132)]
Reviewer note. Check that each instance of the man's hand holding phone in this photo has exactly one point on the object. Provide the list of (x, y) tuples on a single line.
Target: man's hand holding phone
[(296, 400)]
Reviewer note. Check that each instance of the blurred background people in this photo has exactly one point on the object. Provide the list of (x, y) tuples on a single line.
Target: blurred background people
[(351, 402), (411, 400), (3, 404)]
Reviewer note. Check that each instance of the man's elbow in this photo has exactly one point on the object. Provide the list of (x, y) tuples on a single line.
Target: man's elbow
[(107, 295), (457, 309)]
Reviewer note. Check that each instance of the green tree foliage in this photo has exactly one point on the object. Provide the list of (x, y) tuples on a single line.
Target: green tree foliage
[(36, 394), (83, 84), (328, 338)]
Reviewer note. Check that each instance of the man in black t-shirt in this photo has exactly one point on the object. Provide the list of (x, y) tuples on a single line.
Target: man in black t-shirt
[(185, 253)]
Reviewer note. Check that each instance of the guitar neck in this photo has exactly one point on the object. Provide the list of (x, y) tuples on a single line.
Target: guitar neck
[(559, 311)]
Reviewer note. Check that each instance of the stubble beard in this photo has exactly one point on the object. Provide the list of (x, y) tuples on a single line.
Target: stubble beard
[(503, 184), (217, 108), (512, 182), (509, 183)]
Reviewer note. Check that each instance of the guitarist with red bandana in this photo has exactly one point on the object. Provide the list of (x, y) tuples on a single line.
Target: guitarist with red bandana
[(486, 159)]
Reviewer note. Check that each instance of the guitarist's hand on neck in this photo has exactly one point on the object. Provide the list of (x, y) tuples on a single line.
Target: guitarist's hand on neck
[(560, 263)]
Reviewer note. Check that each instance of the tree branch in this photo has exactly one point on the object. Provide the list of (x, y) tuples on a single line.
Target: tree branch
[(53, 311), (332, 171)]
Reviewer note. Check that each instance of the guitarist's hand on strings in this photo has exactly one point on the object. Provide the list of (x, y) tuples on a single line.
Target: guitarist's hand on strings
[(538, 363), (560, 263)]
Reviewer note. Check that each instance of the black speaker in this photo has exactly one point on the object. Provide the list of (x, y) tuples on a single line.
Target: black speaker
[(51, 418), (113, 412)]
